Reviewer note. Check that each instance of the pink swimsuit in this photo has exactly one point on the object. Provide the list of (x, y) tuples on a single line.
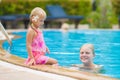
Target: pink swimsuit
[(38, 49)]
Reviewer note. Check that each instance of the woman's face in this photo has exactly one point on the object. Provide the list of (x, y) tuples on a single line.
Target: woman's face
[(86, 55)]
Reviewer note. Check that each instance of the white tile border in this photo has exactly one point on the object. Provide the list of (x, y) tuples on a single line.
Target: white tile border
[(44, 74)]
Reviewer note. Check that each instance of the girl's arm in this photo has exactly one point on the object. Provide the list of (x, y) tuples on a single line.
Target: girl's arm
[(29, 39)]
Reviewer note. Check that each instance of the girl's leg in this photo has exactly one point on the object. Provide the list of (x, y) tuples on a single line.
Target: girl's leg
[(52, 61)]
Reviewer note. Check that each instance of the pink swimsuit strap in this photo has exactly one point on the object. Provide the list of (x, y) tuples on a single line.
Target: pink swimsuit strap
[(34, 30)]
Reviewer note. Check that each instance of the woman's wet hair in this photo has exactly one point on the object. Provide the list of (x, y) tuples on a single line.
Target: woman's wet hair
[(91, 46)]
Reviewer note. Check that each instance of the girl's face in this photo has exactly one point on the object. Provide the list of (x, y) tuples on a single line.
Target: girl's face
[(86, 55), (37, 21)]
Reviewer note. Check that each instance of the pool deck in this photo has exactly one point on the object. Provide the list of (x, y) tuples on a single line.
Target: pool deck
[(13, 72), (44, 72)]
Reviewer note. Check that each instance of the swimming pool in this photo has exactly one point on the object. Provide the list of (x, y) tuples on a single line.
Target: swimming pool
[(65, 47)]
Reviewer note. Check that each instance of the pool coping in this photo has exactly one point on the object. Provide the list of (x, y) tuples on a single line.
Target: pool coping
[(50, 69)]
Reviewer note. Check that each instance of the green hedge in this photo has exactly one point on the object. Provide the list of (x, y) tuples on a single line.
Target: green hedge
[(116, 6), (72, 7), (104, 16)]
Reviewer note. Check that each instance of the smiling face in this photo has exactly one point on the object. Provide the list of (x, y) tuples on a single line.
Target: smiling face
[(87, 54)]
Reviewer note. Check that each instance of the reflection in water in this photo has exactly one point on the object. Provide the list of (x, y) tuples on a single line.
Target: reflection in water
[(8, 48), (64, 40)]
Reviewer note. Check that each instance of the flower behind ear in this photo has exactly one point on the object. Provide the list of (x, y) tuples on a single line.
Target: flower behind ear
[(35, 18)]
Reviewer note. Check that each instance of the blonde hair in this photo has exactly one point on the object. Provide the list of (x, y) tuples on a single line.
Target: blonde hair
[(38, 12), (88, 45)]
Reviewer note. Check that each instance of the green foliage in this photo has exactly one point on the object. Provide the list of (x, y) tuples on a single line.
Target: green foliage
[(116, 6), (104, 16), (71, 7), (77, 7), (94, 20)]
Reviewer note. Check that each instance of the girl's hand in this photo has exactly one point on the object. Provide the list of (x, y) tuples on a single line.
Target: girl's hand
[(47, 50), (32, 62)]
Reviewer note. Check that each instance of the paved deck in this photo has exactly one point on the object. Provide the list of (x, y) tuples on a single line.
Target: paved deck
[(13, 72)]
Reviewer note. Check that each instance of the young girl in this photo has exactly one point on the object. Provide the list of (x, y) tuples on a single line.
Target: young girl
[(35, 42)]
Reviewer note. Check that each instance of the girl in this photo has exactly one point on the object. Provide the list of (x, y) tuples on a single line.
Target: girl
[(36, 46)]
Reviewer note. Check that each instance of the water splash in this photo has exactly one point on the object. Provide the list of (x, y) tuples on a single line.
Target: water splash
[(8, 50)]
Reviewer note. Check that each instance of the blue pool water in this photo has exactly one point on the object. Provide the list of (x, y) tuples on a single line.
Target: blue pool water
[(65, 47)]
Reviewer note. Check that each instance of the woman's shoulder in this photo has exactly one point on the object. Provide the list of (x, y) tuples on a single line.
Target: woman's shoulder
[(81, 67), (98, 66), (75, 66)]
